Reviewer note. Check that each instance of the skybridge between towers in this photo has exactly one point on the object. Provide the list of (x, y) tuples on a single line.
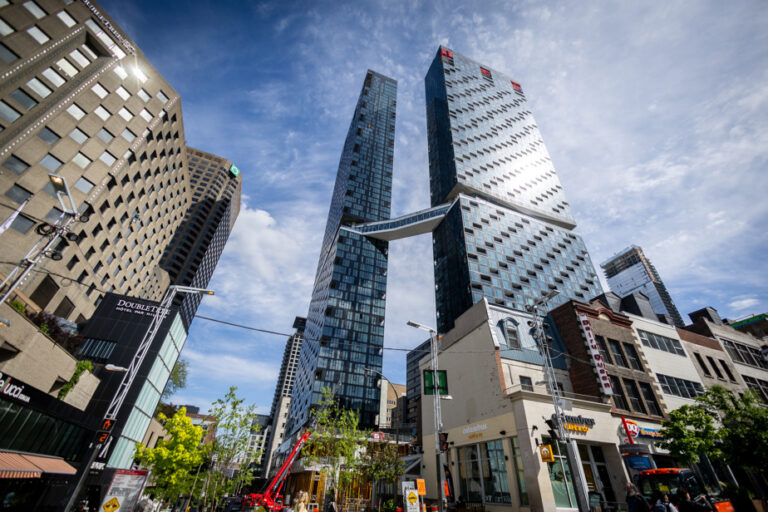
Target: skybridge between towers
[(412, 224)]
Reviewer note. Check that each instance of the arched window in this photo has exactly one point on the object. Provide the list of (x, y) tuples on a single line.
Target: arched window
[(509, 329)]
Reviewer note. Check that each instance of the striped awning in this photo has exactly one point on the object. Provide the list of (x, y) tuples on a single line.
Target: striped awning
[(21, 465)]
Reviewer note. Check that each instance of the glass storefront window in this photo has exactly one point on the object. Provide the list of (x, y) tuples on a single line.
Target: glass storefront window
[(483, 473), (560, 478), (518, 457)]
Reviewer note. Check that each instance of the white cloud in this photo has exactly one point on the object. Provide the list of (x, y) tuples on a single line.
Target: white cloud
[(740, 304)]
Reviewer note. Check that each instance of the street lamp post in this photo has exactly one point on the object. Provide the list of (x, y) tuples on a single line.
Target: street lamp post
[(438, 419), (572, 449), (130, 374), (50, 236)]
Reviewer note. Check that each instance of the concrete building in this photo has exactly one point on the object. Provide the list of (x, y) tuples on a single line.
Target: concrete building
[(345, 323), (495, 420), (192, 254), (744, 349), (390, 395), (281, 403), (630, 271), (207, 423), (257, 442), (712, 362), (79, 99)]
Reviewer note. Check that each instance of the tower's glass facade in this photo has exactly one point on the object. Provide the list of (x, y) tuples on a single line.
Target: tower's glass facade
[(509, 237), (345, 324)]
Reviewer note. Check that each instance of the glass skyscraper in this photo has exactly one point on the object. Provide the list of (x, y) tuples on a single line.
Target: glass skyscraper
[(508, 236), (345, 324)]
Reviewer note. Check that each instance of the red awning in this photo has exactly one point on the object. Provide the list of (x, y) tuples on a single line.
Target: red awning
[(19, 465)]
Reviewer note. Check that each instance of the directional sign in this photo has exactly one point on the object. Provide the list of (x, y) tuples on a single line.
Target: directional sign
[(111, 505)]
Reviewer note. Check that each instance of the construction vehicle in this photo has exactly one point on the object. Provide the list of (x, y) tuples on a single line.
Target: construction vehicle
[(668, 480), (271, 499)]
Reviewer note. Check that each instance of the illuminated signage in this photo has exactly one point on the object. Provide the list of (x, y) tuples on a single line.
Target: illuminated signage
[(234, 171), (636, 431), (516, 86), (138, 308), (576, 423), (546, 453), (15, 390), (597, 358)]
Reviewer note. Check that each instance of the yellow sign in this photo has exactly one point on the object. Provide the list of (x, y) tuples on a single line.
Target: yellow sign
[(412, 497), (111, 505), (576, 427), (546, 453), (421, 487)]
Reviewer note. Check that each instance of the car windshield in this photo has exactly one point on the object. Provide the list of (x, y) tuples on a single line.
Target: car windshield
[(668, 483)]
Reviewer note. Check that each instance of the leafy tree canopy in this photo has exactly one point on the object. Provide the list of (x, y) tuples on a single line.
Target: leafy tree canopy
[(176, 457)]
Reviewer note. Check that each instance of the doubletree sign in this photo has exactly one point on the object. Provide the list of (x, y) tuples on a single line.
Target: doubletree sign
[(429, 382), (234, 171)]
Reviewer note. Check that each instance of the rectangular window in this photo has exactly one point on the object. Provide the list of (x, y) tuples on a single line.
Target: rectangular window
[(53, 215), (53, 77), (108, 158), (659, 342), (714, 367), (162, 97), (18, 194), (23, 99), (145, 114), (619, 400), (702, 364), (22, 224), (50, 162), (35, 9), (128, 135), (83, 185), (119, 71), (125, 114), (633, 357), (38, 88), (67, 67), (100, 91), (8, 113), (66, 19), (78, 135), (6, 54), (75, 111), (603, 349), (79, 58), (727, 370), (105, 135), (634, 396), (650, 399), (5, 28), (48, 135), (526, 384), (618, 355), (519, 472), (144, 95), (102, 113), (81, 160), (122, 93)]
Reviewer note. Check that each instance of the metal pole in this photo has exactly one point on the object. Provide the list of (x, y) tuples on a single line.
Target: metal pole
[(438, 423), (572, 449)]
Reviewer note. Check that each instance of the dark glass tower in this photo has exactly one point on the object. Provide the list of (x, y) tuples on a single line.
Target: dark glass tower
[(345, 324), (508, 237)]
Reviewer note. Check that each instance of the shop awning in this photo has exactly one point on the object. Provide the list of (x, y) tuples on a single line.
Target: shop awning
[(19, 465)]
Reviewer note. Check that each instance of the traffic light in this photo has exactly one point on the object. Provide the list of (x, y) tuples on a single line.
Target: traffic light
[(554, 433), (443, 441)]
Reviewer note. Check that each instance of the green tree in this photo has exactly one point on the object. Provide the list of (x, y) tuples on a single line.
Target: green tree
[(177, 380), (336, 442), (231, 458), (176, 457), (381, 463), (723, 425)]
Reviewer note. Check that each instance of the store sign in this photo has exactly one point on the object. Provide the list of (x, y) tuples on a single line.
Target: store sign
[(576, 423), (234, 171), (13, 388), (137, 308), (636, 431), (594, 352), (475, 431)]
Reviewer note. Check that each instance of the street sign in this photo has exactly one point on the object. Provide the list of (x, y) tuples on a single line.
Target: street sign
[(421, 487), (412, 501), (546, 453), (111, 505)]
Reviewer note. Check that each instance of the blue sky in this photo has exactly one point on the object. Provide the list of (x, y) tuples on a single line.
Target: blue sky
[(655, 115)]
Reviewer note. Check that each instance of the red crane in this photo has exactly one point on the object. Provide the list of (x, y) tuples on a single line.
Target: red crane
[(271, 499)]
